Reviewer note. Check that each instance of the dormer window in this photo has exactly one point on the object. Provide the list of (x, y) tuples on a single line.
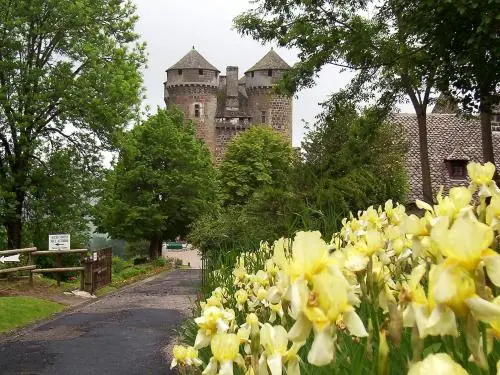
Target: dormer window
[(270, 72), (196, 110), (179, 71), (457, 169), (200, 72)]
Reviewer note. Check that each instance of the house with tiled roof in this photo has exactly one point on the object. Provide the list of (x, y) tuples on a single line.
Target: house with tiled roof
[(223, 106), (453, 141)]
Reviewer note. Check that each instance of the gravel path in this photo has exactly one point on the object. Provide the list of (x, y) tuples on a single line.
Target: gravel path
[(122, 333)]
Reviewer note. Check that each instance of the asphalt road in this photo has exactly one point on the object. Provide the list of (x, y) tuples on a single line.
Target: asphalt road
[(123, 333)]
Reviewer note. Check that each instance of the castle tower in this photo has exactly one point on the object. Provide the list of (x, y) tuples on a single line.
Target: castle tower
[(192, 85), (264, 106)]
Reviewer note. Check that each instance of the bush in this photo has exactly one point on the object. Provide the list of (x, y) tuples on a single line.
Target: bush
[(161, 262), (120, 264), (132, 272), (177, 262), (140, 260)]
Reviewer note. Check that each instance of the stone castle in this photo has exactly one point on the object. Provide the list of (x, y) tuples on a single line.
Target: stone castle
[(223, 106)]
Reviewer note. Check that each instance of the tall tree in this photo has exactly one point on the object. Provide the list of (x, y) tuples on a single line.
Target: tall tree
[(69, 74), (354, 34), (462, 35), (258, 158), (163, 180)]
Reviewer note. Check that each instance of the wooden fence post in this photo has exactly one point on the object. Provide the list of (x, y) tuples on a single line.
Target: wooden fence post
[(30, 263), (58, 265)]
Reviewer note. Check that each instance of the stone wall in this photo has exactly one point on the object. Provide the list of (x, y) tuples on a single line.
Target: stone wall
[(192, 75), (186, 98), (225, 132), (276, 109)]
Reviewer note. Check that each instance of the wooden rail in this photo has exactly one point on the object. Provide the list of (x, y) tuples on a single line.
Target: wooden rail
[(32, 251), (23, 268), (55, 252), (61, 269), (17, 251)]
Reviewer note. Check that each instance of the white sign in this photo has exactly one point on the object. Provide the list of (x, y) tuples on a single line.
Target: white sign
[(94, 256), (12, 258), (59, 242)]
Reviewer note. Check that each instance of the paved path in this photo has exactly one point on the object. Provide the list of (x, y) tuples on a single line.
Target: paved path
[(189, 257), (122, 333)]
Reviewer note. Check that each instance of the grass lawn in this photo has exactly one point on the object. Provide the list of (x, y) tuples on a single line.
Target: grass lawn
[(19, 310)]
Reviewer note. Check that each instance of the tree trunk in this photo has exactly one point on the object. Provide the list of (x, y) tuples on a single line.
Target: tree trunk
[(154, 243), (424, 157), (14, 224), (14, 227), (486, 137)]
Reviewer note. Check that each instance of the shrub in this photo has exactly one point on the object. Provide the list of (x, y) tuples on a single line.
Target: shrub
[(120, 264), (161, 262), (132, 272), (140, 260)]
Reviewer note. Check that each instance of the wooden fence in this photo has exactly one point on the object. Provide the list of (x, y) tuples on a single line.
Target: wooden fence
[(31, 267), (98, 270)]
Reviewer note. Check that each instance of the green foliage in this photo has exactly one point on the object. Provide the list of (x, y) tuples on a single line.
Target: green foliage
[(161, 262), (70, 77), (18, 311), (60, 199), (120, 264), (352, 159), (162, 181), (138, 248), (260, 157)]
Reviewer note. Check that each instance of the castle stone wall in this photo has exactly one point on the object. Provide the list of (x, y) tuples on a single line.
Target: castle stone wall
[(225, 133), (186, 98), (276, 109), (261, 78), (191, 75)]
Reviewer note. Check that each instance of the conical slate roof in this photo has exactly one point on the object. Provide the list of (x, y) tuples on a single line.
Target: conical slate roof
[(193, 60), (270, 61)]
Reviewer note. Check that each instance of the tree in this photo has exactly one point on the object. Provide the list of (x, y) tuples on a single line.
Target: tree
[(163, 180), (467, 47), (69, 75), (258, 158), (60, 198), (356, 35), (353, 159)]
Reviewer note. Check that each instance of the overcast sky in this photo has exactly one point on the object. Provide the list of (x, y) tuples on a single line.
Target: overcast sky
[(171, 27)]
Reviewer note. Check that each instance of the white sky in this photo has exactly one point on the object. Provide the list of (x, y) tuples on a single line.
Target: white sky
[(171, 27)]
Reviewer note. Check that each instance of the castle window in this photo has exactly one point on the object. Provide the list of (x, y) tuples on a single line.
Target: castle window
[(263, 118), (196, 110), (270, 73), (253, 74), (200, 72), (179, 71), (457, 169)]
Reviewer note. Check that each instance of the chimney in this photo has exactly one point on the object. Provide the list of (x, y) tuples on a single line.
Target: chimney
[(222, 83), (232, 88)]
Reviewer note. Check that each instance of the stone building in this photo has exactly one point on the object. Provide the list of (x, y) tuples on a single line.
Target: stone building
[(223, 106), (453, 141)]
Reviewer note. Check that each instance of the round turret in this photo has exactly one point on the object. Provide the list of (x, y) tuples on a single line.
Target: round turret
[(192, 85), (265, 106)]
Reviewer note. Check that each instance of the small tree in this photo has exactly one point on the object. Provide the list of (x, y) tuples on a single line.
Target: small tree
[(162, 181), (260, 157)]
